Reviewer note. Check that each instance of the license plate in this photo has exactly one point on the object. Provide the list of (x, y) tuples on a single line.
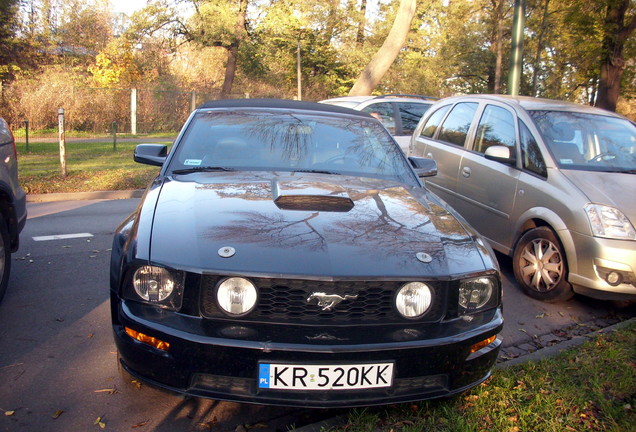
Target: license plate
[(325, 377)]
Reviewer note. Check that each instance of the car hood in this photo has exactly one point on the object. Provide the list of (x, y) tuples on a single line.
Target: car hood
[(612, 189), (309, 225)]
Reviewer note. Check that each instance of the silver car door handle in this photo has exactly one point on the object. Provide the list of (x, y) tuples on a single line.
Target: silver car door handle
[(466, 172)]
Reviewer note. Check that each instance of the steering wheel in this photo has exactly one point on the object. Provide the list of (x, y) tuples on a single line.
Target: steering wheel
[(603, 156)]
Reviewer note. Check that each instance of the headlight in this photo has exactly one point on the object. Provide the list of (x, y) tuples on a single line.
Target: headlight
[(609, 222), (158, 286), (236, 296), (477, 294), (413, 299)]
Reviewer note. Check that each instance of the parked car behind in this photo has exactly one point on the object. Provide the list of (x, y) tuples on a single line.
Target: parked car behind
[(398, 113), (12, 204), (549, 183), (287, 253)]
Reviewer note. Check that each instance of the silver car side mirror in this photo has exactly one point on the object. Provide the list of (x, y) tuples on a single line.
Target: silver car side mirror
[(500, 154)]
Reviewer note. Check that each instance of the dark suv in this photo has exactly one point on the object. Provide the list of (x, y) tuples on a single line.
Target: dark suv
[(12, 204)]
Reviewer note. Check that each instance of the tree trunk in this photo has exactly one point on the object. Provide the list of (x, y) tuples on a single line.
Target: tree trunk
[(362, 23), (232, 51), (537, 58), (386, 55), (498, 44), (612, 62)]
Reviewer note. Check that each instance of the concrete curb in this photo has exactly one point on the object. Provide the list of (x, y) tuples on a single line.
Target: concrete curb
[(556, 349), (70, 196)]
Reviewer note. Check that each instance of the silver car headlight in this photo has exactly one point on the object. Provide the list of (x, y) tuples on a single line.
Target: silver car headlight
[(158, 286), (413, 299), (236, 296), (609, 222), (478, 294)]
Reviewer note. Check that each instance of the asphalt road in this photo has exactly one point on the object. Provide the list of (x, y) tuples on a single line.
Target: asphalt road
[(58, 368)]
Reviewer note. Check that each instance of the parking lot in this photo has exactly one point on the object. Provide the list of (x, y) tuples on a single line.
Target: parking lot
[(58, 359)]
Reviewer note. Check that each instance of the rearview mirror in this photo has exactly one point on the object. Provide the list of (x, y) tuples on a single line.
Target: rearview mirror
[(151, 154)]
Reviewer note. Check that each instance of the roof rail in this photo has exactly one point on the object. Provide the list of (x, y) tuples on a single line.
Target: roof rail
[(408, 95)]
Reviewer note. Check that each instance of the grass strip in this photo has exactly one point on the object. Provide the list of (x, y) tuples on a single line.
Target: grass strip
[(591, 387), (90, 167)]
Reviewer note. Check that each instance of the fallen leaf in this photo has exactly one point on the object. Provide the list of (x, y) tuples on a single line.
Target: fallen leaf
[(136, 384), (99, 421), (57, 413), (540, 316), (107, 390), (9, 413), (140, 424), (561, 313)]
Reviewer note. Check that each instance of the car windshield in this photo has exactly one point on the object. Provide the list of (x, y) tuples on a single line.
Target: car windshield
[(589, 142), (272, 140)]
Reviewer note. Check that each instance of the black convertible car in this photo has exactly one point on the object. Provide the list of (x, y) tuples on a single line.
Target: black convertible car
[(288, 253)]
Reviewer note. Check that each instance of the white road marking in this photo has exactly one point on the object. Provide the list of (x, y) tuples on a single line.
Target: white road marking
[(62, 236)]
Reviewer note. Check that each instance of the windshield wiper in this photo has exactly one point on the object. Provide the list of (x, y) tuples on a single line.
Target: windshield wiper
[(201, 169), (317, 171)]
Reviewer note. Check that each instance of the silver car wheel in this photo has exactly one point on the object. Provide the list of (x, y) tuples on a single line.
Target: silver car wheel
[(542, 268), (540, 265)]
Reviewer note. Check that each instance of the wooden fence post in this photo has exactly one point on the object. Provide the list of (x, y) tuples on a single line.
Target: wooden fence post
[(60, 124)]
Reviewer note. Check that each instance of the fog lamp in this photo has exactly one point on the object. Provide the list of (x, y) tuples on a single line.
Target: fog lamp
[(148, 340), (614, 278), (236, 296), (413, 299)]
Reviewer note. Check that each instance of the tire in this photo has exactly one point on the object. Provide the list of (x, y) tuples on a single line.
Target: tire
[(540, 266), (5, 257)]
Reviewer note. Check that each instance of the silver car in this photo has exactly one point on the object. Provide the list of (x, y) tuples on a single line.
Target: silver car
[(551, 184), (398, 113)]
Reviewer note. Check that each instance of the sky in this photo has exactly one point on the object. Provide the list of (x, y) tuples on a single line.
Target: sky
[(127, 6)]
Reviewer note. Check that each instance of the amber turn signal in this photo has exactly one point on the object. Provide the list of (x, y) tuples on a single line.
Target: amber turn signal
[(484, 343), (148, 340)]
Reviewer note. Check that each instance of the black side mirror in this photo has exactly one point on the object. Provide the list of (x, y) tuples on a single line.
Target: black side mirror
[(151, 154), (423, 167)]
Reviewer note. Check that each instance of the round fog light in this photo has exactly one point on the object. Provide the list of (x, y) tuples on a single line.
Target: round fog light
[(236, 296), (413, 299), (614, 278)]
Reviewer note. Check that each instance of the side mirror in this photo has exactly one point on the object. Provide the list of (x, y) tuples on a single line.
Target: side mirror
[(500, 154), (151, 154), (423, 167)]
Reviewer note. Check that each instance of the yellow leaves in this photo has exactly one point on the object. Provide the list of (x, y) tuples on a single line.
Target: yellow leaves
[(57, 414), (9, 413), (100, 422)]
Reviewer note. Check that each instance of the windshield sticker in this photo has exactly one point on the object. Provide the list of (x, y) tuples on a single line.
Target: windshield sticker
[(192, 162), (566, 161)]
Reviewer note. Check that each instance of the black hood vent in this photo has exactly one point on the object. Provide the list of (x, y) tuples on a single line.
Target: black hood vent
[(311, 196)]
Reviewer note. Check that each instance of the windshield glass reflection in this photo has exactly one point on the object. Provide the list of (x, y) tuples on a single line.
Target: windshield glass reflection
[(588, 142), (283, 141)]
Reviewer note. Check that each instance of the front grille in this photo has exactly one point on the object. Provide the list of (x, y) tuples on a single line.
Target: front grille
[(284, 301)]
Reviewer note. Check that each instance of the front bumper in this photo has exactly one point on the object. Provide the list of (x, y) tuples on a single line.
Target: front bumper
[(595, 258), (220, 360)]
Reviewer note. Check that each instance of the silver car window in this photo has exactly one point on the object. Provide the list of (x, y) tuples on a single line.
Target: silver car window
[(456, 126), (589, 142), (433, 121), (530, 154), (496, 128), (383, 111)]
